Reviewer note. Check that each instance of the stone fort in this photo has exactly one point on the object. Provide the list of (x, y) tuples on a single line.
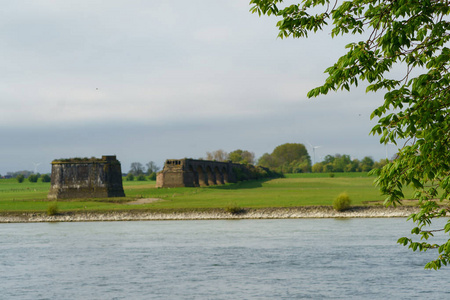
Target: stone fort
[(193, 173), (86, 178)]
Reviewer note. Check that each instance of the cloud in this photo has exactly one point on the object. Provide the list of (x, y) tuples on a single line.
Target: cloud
[(151, 80)]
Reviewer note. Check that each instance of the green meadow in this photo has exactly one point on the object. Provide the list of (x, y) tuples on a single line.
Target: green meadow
[(293, 190)]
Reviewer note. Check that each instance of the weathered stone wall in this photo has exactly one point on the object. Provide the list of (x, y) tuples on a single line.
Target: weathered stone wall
[(86, 178), (192, 173)]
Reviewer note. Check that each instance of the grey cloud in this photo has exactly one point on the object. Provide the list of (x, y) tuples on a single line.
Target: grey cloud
[(151, 80)]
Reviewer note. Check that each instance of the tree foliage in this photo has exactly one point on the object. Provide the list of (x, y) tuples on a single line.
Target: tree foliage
[(237, 156), (25, 173), (20, 178), (287, 158), (242, 157), (45, 178), (217, 155), (152, 176), (412, 35), (33, 178), (342, 202), (152, 167), (141, 177), (130, 177), (136, 168), (343, 163)]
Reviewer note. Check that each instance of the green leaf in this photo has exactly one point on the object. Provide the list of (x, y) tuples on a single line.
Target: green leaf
[(400, 35)]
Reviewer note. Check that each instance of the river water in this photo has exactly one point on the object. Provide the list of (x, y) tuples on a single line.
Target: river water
[(244, 259)]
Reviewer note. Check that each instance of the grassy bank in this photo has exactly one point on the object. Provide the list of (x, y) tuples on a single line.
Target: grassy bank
[(294, 190)]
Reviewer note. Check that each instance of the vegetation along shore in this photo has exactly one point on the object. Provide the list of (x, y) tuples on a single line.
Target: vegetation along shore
[(295, 196), (213, 214)]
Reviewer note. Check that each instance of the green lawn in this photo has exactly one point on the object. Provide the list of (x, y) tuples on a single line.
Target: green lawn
[(294, 190)]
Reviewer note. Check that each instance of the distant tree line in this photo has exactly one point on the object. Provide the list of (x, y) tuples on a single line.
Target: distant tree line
[(140, 173), (237, 156), (287, 158), (250, 172), (294, 158), (20, 176), (344, 163), (25, 174)]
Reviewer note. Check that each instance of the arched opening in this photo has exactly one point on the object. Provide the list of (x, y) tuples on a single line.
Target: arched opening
[(194, 175), (210, 178), (202, 177), (225, 175), (219, 177)]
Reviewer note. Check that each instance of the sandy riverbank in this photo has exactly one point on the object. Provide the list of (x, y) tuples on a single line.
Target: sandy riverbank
[(266, 213)]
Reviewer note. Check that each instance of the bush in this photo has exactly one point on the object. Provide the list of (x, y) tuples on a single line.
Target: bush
[(45, 178), (130, 177), (342, 202), (331, 175), (52, 209), (141, 178), (152, 176), (240, 174), (234, 209), (20, 178), (33, 178)]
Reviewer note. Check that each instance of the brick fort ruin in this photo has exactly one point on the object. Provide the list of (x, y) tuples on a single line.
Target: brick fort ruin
[(86, 178), (193, 173)]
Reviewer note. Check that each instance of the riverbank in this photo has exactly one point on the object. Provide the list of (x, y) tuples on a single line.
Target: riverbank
[(216, 214)]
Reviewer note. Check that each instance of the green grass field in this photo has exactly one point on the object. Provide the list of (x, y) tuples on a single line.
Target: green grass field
[(294, 190)]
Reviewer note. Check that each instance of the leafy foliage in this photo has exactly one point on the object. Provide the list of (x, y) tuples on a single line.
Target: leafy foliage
[(343, 163), (141, 177), (33, 178), (152, 167), (250, 172), (409, 34), (242, 157), (45, 178), (136, 168), (237, 156), (287, 158), (342, 202), (218, 155), (25, 173), (20, 178), (152, 176), (52, 209), (234, 209)]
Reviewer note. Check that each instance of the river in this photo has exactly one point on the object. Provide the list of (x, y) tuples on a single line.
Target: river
[(222, 259)]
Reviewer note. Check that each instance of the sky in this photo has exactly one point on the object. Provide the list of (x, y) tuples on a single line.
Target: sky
[(149, 80)]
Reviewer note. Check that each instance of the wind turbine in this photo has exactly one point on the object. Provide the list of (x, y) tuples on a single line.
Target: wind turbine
[(35, 167), (314, 152)]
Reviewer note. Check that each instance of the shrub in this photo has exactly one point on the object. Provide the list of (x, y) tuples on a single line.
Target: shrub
[(20, 178), (141, 178), (33, 178), (45, 178), (342, 202), (234, 209), (130, 177), (52, 209), (331, 175), (240, 174), (152, 176)]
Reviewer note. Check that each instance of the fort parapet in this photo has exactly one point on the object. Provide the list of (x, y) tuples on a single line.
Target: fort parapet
[(191, 173), (86, 178)]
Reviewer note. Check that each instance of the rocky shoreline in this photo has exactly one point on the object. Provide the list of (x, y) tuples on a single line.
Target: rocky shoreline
[(217, 214)]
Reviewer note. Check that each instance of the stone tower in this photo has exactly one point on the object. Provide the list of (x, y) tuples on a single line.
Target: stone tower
[(86, 178)]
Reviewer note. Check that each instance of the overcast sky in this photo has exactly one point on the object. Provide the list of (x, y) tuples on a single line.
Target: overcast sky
[(155, 80)]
